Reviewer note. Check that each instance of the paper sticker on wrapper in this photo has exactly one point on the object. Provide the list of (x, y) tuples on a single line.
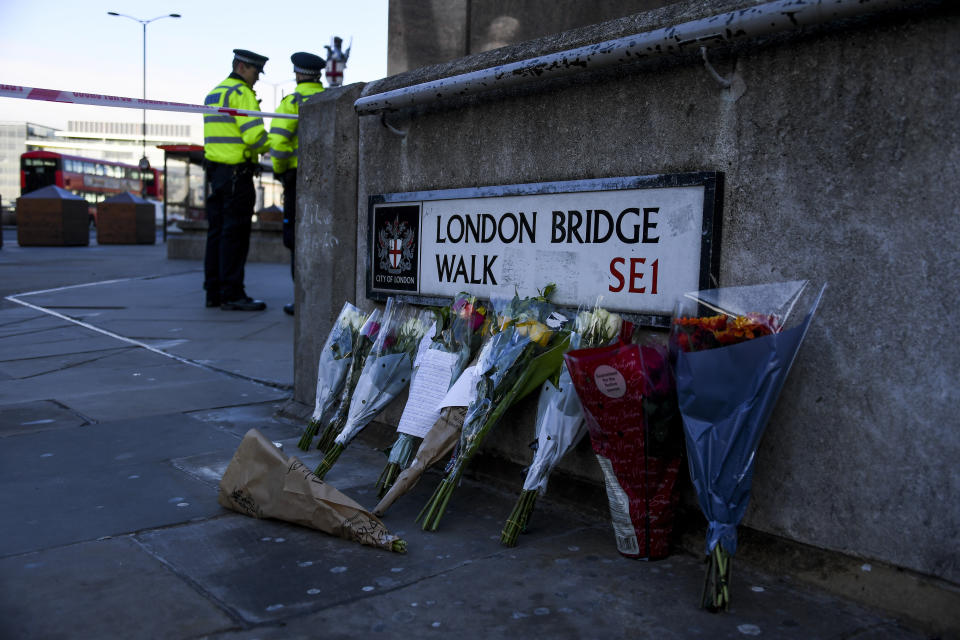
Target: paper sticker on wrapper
[(430, 382), (609, 381)]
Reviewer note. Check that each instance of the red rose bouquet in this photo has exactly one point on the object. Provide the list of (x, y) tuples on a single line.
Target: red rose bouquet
[(629, 403)]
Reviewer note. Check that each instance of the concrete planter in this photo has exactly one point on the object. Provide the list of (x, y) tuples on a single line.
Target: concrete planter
[(52, 216), (125, 219)]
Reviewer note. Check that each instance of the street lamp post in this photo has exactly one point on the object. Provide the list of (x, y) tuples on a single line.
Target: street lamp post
[(277, 85), (144, 163)]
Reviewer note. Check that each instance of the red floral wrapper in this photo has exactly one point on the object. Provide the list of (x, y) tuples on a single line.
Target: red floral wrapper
[(630, 407)]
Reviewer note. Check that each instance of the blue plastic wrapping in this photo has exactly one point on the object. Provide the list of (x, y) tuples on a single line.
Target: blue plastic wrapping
[(726, 395)]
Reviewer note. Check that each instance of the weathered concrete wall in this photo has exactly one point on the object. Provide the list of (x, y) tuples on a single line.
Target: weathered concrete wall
[(326, 252), (426, 33), (500, 23), (840, 152), (422, 33)]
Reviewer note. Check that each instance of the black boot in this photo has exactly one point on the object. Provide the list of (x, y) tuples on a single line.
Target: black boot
[(246, 303)]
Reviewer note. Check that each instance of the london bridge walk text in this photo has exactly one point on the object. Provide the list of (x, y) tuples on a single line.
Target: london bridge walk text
[(630, 226)]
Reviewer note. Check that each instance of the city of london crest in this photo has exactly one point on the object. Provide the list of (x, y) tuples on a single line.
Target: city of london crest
[(395, 246)]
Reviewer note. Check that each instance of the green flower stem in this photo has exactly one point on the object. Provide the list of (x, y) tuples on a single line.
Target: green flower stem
[(326, 438), (329, 459), (387, 477), (716, 584), (426, 514), (517, 521), (312, 427), (334, 428), (437, 504), (401, 454)]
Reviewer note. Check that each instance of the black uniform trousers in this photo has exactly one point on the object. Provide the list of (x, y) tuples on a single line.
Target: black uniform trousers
[(290, 214), (231, 198)]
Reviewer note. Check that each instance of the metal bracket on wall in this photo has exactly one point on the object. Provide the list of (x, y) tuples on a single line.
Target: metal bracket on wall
[(716, 76), (390, 127)]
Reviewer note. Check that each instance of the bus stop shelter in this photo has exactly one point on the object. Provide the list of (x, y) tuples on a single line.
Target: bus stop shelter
[(191, 154)]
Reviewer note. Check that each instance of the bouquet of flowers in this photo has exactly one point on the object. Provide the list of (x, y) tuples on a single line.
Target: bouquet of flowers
[(522, 352), (733, 349), (363, 342), (335, 358), (459, 331), (560, 422), (631, 413), (436, 445), (386, 372), (262, 482)]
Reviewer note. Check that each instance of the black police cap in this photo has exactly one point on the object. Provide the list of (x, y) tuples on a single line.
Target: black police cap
[(251, 58), (307, 63)]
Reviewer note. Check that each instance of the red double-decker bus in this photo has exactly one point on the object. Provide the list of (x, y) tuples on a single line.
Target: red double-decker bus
[(90, 178)]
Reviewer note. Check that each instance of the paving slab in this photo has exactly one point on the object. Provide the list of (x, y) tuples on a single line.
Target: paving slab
[(34, 366), (48, 267), (578, 594), (218, 390), (189, 328), (162, 312), (240, 419), (31, 417), (564, 580), (79, 484), (134, 382), (303, 570), (58, 340), (265, 355), (16, 319), (101, 589)]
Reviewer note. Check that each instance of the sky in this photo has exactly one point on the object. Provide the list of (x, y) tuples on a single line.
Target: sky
[(76, 46)]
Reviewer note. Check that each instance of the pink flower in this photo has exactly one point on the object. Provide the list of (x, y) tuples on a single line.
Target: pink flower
[(469, 312), (657, 378)]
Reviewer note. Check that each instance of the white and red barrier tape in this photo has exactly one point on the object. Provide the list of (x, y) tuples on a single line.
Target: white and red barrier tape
[(76, 97)]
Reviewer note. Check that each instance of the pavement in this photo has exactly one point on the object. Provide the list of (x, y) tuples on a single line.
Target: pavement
[(122, 400)]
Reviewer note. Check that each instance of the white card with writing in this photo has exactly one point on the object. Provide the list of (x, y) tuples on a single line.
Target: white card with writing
[(428, 386), (463, 390)]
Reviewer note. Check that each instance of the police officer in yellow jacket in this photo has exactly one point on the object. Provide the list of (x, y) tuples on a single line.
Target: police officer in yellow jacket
[(284, 142), (231, 148)]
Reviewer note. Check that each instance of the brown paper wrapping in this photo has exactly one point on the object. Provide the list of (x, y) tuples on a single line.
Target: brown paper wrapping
[(262, 482), (437, 444)]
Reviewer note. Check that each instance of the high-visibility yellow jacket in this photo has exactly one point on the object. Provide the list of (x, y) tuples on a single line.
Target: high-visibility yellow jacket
[(283, 131), (233, 139)]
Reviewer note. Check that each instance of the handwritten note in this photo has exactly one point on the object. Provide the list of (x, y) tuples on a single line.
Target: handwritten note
[(463, 390), (428, 387)]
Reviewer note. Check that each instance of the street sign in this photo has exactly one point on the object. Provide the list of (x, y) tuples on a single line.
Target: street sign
[(634, 243)]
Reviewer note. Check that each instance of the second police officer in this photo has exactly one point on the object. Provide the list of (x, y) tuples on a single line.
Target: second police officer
[(284, 143)]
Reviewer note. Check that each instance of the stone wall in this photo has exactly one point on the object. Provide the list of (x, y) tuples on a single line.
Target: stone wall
[(189, 242), (841, 153), (426, 33)]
